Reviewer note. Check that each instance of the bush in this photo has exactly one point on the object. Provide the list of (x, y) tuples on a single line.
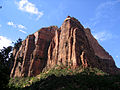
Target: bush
[(68, 79)]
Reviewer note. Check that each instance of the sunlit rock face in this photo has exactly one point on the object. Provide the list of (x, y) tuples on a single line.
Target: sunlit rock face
[(70, 45), (31, 57)]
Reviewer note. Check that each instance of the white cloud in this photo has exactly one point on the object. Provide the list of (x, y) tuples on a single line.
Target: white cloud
[(4, 42), (102, 36), (0, 25), (117, 56), (26, 6), (23, 31), (18, 26), (21, 26), (11, 24)]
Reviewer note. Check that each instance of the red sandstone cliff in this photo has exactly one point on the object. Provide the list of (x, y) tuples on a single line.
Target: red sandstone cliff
[(70, 45), (31, 57)]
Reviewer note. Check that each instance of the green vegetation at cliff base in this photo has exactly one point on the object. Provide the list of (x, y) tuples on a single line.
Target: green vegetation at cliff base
[(67, 79)]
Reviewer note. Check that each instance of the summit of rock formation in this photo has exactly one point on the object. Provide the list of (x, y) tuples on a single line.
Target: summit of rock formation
[(70, 45)]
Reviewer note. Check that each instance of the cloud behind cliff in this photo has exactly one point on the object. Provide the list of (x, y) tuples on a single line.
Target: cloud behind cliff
[(102, 36), (4, 42)]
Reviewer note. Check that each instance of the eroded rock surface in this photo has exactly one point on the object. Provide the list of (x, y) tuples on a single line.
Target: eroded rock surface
[(31, 57), (70, 45)]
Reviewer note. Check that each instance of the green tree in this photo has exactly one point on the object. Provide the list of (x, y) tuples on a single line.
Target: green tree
[(5, 55), (18, 43), (6, 63)]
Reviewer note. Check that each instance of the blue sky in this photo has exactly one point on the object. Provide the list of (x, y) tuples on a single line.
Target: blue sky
[(19, 18)]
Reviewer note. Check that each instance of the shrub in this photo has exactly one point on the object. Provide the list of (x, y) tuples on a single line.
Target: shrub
[(68, 79)]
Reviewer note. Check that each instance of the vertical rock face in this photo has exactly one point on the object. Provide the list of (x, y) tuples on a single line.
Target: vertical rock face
[(39, 55), (99, 51), (70, 45), (31, 57), (73, 45), (102, 59)]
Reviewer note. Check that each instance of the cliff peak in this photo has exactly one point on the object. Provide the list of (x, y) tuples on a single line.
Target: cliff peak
[(70, 45)]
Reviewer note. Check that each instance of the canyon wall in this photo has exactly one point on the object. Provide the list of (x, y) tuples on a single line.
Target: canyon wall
[(70, 45)]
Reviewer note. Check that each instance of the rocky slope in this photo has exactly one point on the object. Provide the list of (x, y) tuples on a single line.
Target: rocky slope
[(70, 45)]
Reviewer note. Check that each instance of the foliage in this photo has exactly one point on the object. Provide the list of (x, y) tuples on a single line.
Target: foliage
[(58, 78), (5, 55), (6, 63), (18, 43), (65, 78)]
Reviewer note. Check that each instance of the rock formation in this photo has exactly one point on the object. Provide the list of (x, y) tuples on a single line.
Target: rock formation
[(31, 57), (70, 45)]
